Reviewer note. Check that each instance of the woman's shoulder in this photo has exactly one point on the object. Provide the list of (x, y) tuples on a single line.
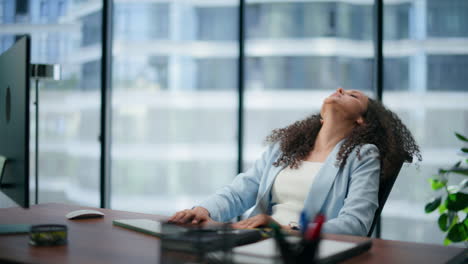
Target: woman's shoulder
[(369, 149), (272, 149), (270, 152), (364, 152)]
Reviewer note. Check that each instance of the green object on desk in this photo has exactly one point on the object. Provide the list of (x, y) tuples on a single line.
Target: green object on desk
[(266, 232), (48, 235), (14, 229)]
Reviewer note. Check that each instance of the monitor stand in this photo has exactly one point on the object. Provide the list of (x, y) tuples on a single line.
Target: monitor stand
[(3, 161)]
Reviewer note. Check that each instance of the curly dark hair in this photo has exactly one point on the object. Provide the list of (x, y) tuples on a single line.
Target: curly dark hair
[(382, 128)]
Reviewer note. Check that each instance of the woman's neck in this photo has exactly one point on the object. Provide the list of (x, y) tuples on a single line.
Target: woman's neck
[(332, 132)]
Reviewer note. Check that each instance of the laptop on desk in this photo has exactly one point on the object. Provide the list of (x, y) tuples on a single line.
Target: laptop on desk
[(192, 239)]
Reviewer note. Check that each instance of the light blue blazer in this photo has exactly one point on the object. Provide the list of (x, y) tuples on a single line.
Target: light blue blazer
[(348, 197)]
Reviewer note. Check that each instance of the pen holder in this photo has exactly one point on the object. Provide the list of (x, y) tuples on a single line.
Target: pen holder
[(301, 252), (307, 251), (204, 245)]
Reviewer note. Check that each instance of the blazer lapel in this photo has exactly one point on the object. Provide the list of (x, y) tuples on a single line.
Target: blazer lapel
[(322, 183), (262, 206)]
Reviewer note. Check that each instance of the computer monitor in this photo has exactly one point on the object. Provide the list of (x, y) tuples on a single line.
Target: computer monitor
[(14, 121)]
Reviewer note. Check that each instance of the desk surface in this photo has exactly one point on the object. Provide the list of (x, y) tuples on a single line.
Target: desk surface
[(98, 241)]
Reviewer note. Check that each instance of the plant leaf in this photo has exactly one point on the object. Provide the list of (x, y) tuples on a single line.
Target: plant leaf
[(464, 150), (442, 208), (458, 233), (452, 219), (460, 137), (457, 201), (432, 205), (453, 188), (443, 222), (447, 242), (437, 184), (463, 184), (463, 171)]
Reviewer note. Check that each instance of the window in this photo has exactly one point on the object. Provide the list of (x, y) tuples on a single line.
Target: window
[(447, 18), (425, 87), (141, 21), (396, 74), (61, 8), (174, 103), (217, 23), (69, 108), (216, 74), (22, 7), (90, 74), (447, 72), (91, 29), (1, 12), (44, 9)]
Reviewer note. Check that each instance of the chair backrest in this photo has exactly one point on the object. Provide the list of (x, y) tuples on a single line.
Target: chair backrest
[(388, 177)]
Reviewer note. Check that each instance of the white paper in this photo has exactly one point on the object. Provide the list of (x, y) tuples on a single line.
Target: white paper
[(267, 248)]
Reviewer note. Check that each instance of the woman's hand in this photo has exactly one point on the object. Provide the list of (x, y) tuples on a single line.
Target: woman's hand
[(255, 221), (195, 216)]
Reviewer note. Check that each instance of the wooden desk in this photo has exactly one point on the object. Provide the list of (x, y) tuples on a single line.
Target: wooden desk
[(98, 241)]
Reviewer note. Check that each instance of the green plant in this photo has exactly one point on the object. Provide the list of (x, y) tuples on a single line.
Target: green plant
[(452, 200)]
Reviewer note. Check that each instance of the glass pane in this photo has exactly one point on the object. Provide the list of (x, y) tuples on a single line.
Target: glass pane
[(174, 100), (426, 66), (298, 52), (66, 33)]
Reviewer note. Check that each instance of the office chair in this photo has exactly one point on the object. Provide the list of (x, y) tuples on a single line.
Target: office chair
[(388, 177)]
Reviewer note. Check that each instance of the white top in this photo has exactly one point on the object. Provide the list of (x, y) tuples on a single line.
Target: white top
[(290, 189)]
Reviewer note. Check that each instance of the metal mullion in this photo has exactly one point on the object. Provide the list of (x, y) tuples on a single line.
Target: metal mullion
[(240, 86), (378, 70), (378, 46), (106, 88)]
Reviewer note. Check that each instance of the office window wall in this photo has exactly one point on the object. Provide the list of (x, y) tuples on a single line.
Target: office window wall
[(425, 83), (297, 53), (175, 98), (174, 113), (65, 33)]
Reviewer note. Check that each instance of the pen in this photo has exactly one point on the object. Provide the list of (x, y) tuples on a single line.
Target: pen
[(304, 222), (314, 233), (311, 241)]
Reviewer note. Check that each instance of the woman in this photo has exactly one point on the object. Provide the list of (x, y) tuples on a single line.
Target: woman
[(328, 163)]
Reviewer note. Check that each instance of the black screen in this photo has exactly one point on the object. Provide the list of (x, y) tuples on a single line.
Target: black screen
[(14, 121)]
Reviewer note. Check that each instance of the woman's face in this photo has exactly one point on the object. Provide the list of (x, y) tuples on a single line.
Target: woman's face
[(351, 104)]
